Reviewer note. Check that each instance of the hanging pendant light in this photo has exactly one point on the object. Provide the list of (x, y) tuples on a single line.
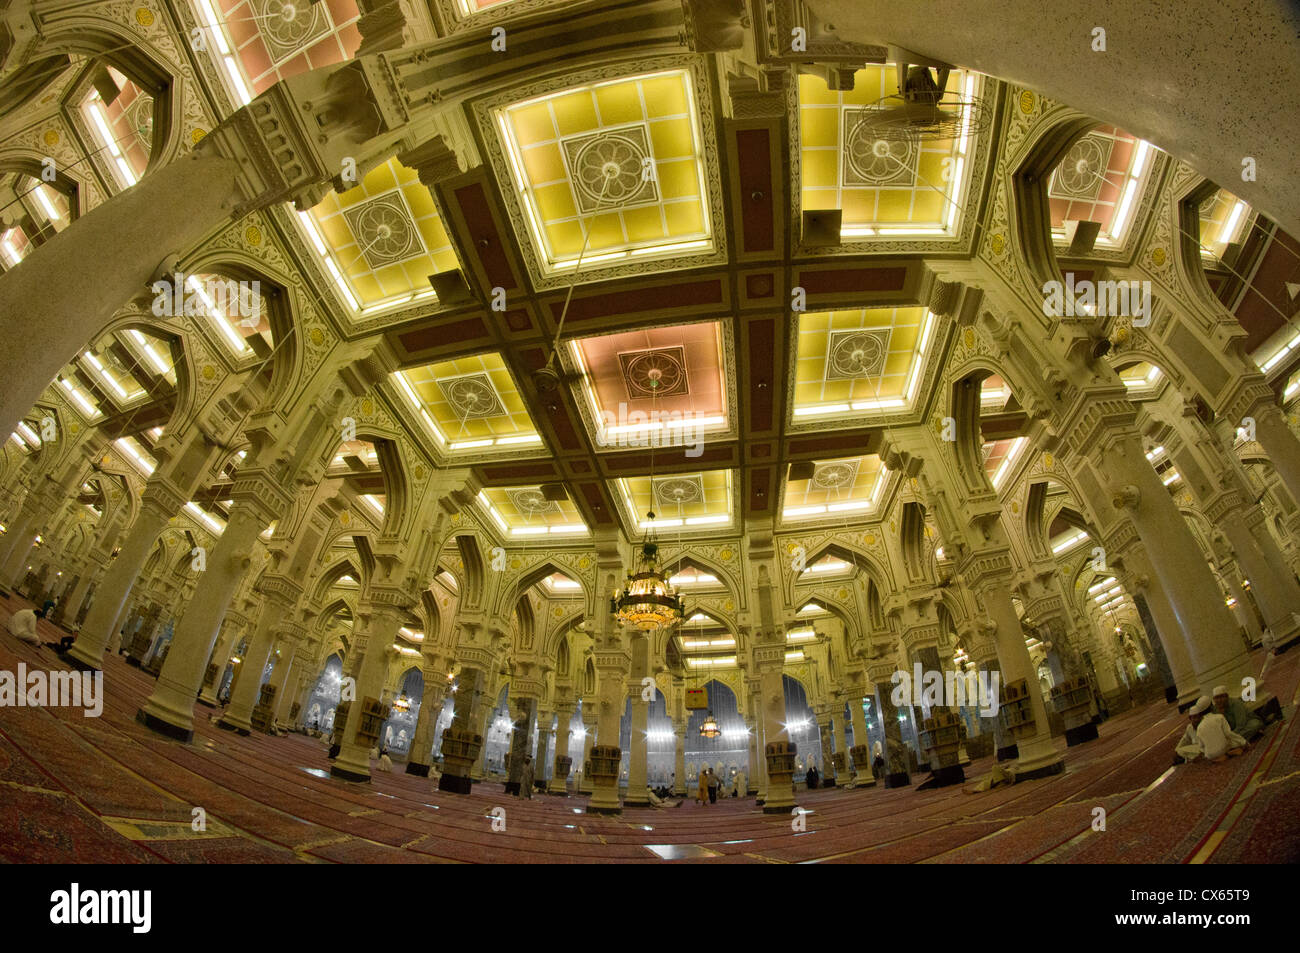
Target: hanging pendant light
[(647, 601), (710, 728)]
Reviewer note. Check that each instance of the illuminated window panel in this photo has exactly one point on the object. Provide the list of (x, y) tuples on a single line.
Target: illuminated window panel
[(1000, 458), (828, 565), (383, 239), (883, 189), (375, 503), (859, 362), (47, 205), (470, 7), (80, 399), (275, 39), (994, 394), (1099, 180), (122, 128), (837, 488), (1280, 353), (1223, 219), (1292, 387), (234, 309), (151, 352), (621, 161), (1067, 540), (471, 403), (140, 458), (107, 371), (681, 501), (1139, 376), (691, 578), (214, 523), (558, 585), (523, 511), (26, 437), (14, 246), (355, 456)]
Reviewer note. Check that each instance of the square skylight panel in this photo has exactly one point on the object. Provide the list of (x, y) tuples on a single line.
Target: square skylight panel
[(891, 187), (859, 361), (382, 239), (617, 165)]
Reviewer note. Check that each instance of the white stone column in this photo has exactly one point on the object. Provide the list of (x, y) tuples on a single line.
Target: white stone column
[(1037, 752), (426, 723), (840, 756), (170, 709), (1178, 563), (381, 621), (779, 750), (1274, 587), (563, 764), (589, 724), (248, 691), (227, 639), (1279, 442), (545, 720), (71, 285), (637, 787), (103, 621), (861, 751), (612, 663)]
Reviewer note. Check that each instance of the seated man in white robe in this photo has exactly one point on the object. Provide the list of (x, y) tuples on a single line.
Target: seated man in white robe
[(23, 624), (1240, 718), (1208, 735)]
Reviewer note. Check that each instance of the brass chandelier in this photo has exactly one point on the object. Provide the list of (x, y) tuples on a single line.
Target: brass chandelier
[(647, 601)]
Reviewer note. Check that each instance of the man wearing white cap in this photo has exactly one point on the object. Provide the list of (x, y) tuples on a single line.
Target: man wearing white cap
[(1208, 735), (1240, 718)]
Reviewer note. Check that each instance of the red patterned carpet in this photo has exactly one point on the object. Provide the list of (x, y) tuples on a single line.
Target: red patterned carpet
[(107, 790)]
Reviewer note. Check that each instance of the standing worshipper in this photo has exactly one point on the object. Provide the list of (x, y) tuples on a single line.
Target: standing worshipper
[(742, 789), (526, 778), (713, 787), (812, 777), (702, 788)]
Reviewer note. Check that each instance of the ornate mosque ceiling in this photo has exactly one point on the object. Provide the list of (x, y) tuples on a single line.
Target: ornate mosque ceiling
[(668, 230)]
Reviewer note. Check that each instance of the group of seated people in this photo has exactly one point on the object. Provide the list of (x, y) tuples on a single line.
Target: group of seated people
[(1220, 727)]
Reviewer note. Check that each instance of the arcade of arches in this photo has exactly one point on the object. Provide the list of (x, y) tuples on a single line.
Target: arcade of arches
[(353, 350)]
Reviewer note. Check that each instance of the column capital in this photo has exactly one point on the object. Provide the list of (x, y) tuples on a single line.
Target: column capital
[(261, 493), (880, 671), (280, 589), (990, 566), (291, 141)]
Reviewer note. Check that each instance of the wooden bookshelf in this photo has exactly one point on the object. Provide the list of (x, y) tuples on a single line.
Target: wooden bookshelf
[(1016, 712), (373, 715)]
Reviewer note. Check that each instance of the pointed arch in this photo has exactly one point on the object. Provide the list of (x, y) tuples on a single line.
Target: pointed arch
[(844, 551)]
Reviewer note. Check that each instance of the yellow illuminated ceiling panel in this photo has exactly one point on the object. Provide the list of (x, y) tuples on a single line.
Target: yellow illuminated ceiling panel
[(620, 160), (383, 237), (679, 501), (837, 487), (470, 403), (859, 361), (883, 188), (525, 511)]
